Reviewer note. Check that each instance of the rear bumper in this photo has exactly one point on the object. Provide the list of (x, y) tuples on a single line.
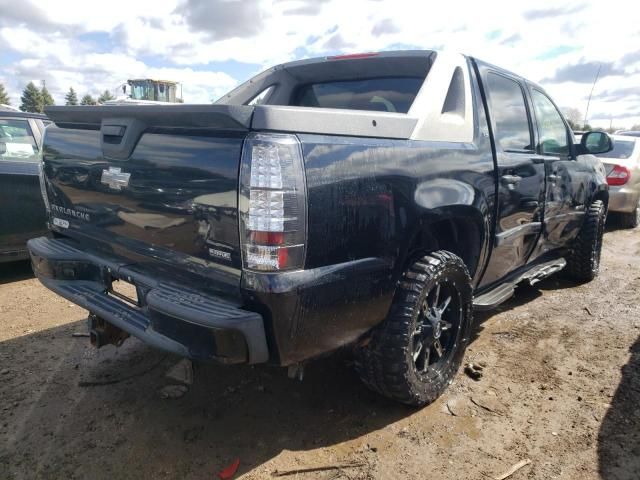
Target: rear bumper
[(169, 316), (623, 199)]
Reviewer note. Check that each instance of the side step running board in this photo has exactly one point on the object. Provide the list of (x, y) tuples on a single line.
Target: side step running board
[(494, 297), (504, 291)]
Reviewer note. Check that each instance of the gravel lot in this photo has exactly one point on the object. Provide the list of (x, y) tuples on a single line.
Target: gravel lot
[(561, 387)]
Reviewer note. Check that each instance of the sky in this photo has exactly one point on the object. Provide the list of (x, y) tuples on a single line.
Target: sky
[(210, 46)]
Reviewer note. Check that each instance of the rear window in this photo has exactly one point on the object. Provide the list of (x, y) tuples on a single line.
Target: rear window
[(16, 141), (621, 149), (391, 94)]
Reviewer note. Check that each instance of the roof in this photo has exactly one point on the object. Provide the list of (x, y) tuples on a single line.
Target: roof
[(10, 112), (172, 82), (624, 138)]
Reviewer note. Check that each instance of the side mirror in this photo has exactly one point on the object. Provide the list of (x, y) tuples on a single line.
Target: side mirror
[(596, 143)]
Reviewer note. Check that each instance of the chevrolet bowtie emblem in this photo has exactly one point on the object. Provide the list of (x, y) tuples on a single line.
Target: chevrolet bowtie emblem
[(115, 178)]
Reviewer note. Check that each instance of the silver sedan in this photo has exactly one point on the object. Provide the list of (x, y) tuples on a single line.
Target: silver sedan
[(623, 175)]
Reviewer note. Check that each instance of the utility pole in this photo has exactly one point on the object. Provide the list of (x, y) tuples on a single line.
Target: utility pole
[(586, 112)]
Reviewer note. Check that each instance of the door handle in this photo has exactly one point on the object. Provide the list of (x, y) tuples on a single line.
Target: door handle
[(511, 180)]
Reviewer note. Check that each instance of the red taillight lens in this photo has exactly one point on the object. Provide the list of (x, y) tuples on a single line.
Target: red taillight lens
[(618, 176), (272, 203)]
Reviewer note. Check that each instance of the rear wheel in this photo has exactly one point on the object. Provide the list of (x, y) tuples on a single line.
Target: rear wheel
[(631, 220), (583, 263), (415, 353)]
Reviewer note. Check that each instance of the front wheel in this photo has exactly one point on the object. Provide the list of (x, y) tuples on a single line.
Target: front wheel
[(583, 263), (631, 220), (415, 353)]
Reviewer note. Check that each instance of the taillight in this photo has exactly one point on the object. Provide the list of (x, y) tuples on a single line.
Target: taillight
[(272, 203), (618, 176)]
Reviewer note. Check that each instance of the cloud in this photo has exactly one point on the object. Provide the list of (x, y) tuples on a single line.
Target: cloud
[(20, 13), (337, 42), (614, 95), (511, 39), (557, 51), (584, 72), (101, 72), (384, 27), (607, 115), (630, 58), (222, 19), (212, 45), (303, 7), (543, 13)]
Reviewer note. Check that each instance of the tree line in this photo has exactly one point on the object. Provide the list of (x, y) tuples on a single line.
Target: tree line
[(34, 99), (577, 122)]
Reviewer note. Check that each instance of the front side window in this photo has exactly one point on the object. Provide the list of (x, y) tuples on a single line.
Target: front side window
[(551, 127), (509, 112), (16, 141), (390, 94)]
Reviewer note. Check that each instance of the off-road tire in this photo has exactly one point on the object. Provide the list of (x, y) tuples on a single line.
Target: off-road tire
[(583, 262), (631, 220), (386, 364)]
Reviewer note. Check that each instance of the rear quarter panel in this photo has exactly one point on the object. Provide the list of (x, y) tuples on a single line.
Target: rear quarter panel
[(368, 199)]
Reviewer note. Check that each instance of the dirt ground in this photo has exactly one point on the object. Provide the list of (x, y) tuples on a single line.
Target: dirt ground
[(561, 387)]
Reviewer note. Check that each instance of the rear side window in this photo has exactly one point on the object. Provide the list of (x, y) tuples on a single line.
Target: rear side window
[(509, 112), (551, 127), (622, 149), (262, 96), (16, 141), (391, 94)]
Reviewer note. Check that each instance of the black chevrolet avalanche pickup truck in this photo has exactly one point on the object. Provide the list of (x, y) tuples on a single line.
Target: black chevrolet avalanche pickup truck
[(370, 201)]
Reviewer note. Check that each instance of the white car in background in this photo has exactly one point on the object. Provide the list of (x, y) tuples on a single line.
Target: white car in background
[(629, 133), (623, 175)]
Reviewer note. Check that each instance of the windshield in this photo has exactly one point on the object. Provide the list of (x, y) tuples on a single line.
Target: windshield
[(621, 149), (392, 94), (150, 90), (142, 91)]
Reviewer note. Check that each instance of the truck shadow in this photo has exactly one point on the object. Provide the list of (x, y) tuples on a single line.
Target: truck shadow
[(15, 271), (76, 412), (619, 436), (524, 294)]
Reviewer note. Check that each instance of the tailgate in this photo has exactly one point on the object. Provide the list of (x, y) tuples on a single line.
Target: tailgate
[(149, 181)]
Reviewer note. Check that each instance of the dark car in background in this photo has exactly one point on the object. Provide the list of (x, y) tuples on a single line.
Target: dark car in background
[(22, 212)]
